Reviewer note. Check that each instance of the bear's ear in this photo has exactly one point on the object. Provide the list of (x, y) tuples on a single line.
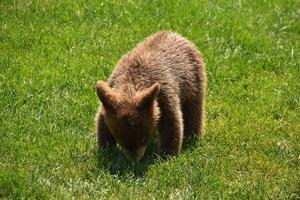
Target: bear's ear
[(106, 95), (147, 97)]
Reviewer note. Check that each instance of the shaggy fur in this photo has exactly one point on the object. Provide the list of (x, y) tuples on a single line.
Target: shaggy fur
[(159, 84)]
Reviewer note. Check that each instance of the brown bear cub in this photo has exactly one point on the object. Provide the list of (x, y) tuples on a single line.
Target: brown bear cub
[(159, 85)]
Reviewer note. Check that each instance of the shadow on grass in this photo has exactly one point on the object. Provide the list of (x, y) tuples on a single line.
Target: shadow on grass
[(191, 143), (113, 160)]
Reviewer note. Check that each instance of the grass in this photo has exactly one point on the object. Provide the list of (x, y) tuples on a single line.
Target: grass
[(53, 52)]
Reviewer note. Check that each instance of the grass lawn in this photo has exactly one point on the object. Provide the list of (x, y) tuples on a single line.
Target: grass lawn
[(53, 52)]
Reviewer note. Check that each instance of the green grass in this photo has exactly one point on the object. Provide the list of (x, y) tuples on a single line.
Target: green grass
[(53, 52)]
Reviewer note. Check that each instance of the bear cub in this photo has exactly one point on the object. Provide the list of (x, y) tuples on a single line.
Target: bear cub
[(157, 86)]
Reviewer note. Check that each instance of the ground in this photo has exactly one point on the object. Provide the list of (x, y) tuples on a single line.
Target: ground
[(53, 52)]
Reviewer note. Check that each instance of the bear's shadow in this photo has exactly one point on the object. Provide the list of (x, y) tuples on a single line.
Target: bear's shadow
[(113, 160)]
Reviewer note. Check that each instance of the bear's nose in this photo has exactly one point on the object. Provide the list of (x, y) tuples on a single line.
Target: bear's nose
[(136, 155)]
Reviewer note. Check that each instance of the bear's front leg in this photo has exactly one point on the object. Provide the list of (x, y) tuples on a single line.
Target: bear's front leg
[(104, 136), (170, 127)]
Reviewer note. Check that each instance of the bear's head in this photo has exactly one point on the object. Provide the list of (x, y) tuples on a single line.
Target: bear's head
[(130, 118)]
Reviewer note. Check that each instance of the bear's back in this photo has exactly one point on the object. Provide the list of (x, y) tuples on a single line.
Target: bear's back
[(166, 58)]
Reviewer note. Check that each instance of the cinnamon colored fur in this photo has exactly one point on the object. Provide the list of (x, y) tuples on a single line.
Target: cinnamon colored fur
[(158, 85)]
